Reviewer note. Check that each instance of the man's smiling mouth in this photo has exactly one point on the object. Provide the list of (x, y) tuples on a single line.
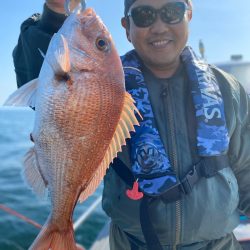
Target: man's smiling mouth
[(160, 43)]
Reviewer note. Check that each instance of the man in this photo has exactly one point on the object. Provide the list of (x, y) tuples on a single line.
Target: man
[(184, 176)]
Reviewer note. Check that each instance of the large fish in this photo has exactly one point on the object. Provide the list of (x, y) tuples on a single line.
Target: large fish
[(83, 116)]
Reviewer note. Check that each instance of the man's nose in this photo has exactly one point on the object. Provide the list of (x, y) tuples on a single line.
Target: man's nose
[(159, 26)]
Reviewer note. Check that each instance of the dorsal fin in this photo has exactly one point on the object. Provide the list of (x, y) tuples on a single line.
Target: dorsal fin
[(125, 125)]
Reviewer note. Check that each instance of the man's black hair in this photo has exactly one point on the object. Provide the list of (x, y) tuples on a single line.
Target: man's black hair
[(128, 3)]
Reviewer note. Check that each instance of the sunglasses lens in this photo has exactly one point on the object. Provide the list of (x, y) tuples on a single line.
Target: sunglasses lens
[(173, 12), (143, 16)]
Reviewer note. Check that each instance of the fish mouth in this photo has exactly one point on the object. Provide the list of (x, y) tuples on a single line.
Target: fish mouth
[(88, 17)]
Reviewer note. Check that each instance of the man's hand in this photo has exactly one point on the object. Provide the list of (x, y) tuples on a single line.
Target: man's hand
[(58, 5)]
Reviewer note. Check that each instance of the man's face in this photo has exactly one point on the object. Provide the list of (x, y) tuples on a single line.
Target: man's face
[(160, 44)]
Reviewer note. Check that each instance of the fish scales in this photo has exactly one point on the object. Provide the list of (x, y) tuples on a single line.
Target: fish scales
[(83, 117)]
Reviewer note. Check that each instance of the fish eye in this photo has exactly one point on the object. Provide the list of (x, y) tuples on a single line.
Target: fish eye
[(101, 44)]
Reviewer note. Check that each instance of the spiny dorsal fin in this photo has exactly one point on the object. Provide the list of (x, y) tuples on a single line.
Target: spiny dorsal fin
[(24, 96), (126, 124)]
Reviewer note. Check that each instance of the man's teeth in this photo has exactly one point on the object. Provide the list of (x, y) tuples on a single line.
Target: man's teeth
[(160, 43)]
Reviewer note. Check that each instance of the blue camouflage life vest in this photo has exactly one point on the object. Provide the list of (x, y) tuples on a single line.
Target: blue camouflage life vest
[(150, 163)]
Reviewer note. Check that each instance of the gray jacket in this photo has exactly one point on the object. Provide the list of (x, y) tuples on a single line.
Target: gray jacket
[(212, 209)]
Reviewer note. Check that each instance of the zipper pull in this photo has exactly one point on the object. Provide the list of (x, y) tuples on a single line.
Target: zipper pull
[(134, 193)]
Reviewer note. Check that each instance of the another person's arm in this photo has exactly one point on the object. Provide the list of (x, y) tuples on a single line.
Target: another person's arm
[(36, 33)]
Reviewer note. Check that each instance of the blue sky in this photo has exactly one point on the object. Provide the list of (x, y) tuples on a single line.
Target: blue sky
[(223, 25)]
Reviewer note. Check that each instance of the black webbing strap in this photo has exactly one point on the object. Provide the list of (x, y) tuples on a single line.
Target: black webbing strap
[(146, 225), (148, 231), (205, 168), (123, 172)]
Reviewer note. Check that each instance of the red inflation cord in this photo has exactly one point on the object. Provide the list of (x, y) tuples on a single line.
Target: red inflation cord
[(134, 193), (22, 217)]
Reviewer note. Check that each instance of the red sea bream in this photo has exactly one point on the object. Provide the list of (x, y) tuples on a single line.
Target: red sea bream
[(83, 116)]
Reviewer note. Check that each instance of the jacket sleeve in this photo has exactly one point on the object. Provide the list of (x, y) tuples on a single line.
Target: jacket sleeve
[(36, 33), (239, 150)]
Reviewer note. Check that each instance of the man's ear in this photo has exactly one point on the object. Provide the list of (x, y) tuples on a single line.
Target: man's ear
[(190, 11), (125, 25), (190, 14)]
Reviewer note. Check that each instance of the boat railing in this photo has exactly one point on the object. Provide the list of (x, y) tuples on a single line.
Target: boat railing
[(87, 213)]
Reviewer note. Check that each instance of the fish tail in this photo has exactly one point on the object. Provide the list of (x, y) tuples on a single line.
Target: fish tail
[(53, 238)]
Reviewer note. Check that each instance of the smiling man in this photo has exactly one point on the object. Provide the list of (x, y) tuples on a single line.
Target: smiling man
[(188, 162), (183, 177), (160, 36)]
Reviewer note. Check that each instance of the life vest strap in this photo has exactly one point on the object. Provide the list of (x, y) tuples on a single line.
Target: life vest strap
[(207, 167)]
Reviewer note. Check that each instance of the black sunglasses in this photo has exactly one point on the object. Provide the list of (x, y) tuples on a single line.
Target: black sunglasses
[(170, 13)]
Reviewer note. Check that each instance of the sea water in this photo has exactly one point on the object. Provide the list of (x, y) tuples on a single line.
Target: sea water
[(15, 127)]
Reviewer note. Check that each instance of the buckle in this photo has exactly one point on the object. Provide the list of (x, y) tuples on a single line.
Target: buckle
[(190, 180), (173, 194)]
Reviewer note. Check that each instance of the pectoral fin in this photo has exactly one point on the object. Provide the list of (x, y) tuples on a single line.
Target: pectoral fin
[(58, 56)]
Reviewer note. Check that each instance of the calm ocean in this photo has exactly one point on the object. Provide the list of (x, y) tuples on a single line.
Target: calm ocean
[(15, 127)]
